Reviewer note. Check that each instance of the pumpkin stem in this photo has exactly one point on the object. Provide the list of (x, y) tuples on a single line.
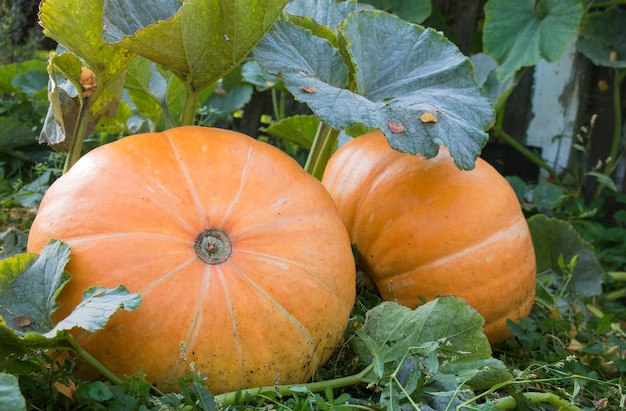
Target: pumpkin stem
[(213, 246), (323, 146)]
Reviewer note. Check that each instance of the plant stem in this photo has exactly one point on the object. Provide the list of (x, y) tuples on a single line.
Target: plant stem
[(92, 361), (617, 275), (509, 403), (526, 153), (617, 119), (278, 104), (78, 135), (191, 102), (611, 162), (323, 145), (230, 398), (604, 4)]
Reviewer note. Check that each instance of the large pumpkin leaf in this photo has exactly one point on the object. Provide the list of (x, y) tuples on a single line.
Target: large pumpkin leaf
[(29, 285), (157, 94), (497, 91), (406, 80), (415, 11), (77, 26), (65, 104), (299, 129), (603, 38), (556, 242), (329, 13), (12, 242), (438, 330), (10, 396), (95, 309), (169, 34), (519, 33), (9, 72), (14, 134)]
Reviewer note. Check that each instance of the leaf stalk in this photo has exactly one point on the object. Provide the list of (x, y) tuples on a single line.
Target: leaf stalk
[(321, 150), (231, 398), (191, 102), (509, 403), (535, 159), (78, 135), (92, 361)]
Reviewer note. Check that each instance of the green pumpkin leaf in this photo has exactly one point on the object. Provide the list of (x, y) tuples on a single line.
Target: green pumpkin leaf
[(602, 38), (12, 241), (14, 134), (603, 180), (77, 26), (11, 344), (29, 285), (33, 82), (125, 18), (329, 13), (168, 34), (11, 397), (548, 196), (439, 329), (157, 94), (95, 309), (230, 95), (299, 129), (252, 73), (520, 33), (415, 11), (64, 109), (397, 73), (485, 69), (556, 240), (9, 72)]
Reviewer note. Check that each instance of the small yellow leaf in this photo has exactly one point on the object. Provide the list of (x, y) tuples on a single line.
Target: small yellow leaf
[(428, 118), (67, 390)]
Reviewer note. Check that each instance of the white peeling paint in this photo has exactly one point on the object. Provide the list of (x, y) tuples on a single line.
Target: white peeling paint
[(555, 108)]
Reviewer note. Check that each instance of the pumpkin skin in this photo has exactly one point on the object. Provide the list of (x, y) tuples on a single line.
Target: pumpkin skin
[(424, 228), (132, 212)]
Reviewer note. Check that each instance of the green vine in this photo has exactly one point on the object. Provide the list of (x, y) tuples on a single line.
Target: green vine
[(321, 150)]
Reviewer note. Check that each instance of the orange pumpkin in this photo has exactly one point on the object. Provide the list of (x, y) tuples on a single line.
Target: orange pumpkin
[(424, 228), (238, 254)]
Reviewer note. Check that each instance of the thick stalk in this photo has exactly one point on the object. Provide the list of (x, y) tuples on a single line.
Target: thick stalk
[(323, 146), (230, 398), (191, 102), (617, 119), (509, 403), (78, 136), (527, 153), (92, 361), (278, 104), (611, 162)]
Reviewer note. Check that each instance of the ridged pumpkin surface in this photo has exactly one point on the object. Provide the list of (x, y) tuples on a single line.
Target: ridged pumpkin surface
[(134, 213), (424, 228)]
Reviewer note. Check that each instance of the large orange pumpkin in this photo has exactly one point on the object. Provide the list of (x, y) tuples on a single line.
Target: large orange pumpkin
[(238, 254), (424, 228)]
